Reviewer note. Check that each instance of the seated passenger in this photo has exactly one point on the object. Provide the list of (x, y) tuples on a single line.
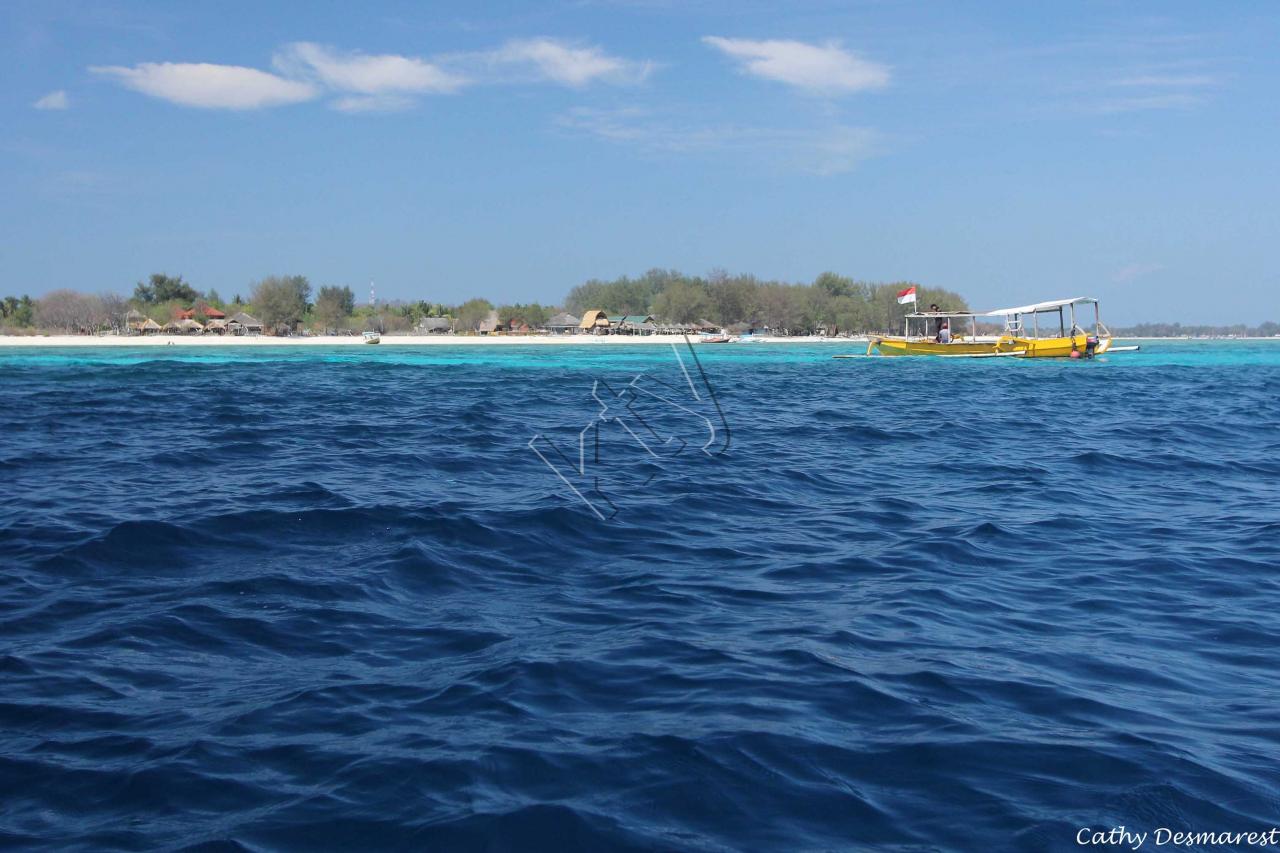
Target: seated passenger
[(944, 332)]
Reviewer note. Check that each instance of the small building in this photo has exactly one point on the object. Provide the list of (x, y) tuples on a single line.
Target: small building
[(146, 326), (490, 324), (187, 326), (207, 310), (243, 324), (595, 322), (632, 324), (216, 327), (562, 324), (435, 326)]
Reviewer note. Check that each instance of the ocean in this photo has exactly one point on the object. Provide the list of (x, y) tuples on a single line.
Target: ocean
[(623, 598)]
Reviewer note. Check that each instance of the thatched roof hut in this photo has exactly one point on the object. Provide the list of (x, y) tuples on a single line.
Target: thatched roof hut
[(562, 322), (242, 324), (435, 325), (594, 319)]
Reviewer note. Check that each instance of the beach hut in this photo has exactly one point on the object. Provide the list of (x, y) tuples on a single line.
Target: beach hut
[(147, 327), (633, 324), (595, 322), (242, 324), (489, 325), (562, 324), (216, 327), (187, 326), (133, 321), (435, 326)]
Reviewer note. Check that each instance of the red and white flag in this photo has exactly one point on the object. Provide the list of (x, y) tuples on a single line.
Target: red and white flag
[(908, 295)]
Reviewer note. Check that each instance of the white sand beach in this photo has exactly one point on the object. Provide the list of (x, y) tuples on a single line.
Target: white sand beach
[(387, 340)]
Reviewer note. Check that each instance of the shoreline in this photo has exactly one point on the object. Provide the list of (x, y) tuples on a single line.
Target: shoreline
[(214, 341), (387, 340)]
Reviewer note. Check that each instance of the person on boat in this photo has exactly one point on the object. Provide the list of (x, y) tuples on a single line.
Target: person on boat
[(937, 324), (944, 332)]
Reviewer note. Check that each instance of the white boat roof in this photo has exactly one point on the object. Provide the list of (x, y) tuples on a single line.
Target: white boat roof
[(1041, 306)]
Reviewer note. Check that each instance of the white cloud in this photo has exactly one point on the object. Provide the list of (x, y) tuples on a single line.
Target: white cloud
[(823, 69), (1141, 103), (1179, 81), (362, 82), (364, 74), (56, 100), (230, 87), (826, 150), (1132, 272), (568, 64)]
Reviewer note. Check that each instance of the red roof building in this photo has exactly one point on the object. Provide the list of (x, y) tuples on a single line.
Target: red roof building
[(210, 313)]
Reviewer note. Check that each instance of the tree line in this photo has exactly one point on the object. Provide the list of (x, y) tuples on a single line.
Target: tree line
[(832, 302), (1268, 329), (287, 303)]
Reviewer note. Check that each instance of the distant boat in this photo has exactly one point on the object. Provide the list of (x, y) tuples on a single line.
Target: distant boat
[(372, 338), (1022, 335), (715, 339)]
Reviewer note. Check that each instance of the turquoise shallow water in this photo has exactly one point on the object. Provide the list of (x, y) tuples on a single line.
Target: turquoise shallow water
[(289, 598)]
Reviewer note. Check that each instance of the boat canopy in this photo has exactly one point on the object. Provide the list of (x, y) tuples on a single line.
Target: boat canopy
[(1051, 305)]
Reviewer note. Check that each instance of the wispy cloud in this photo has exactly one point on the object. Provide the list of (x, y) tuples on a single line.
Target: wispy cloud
[(826, 69), (822, 151), (1162, 81), (566, 63), (1174, 101), (1157, 89), (230, 87), (56, 100), (362, 82), (1133, 272), (371, 82)]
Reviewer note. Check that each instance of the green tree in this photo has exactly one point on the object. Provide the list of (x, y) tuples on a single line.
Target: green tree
[(17, 311), (334, 305), (533, 314), (834, 285), (164, 288), (682, 301), (472, 313), (281, 301)]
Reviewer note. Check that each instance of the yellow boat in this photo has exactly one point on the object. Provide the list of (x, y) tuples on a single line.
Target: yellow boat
[(1022, 335)]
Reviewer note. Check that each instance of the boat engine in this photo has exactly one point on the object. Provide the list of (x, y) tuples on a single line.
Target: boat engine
[(1090, 344)]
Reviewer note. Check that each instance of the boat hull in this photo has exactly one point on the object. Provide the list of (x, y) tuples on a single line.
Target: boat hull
[(1005, 345)]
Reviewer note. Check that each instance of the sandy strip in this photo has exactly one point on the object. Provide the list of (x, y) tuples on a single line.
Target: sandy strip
[(391, 340)]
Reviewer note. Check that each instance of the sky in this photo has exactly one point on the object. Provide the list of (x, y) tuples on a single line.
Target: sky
[(1013, 152)]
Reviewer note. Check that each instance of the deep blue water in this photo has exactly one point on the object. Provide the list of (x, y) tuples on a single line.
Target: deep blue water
[(322, 599)]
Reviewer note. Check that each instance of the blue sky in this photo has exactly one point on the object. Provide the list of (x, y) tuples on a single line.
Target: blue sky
[(1011, 151)]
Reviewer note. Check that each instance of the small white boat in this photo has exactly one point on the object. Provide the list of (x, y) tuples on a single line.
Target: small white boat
[(372, 338), (715, 339)]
